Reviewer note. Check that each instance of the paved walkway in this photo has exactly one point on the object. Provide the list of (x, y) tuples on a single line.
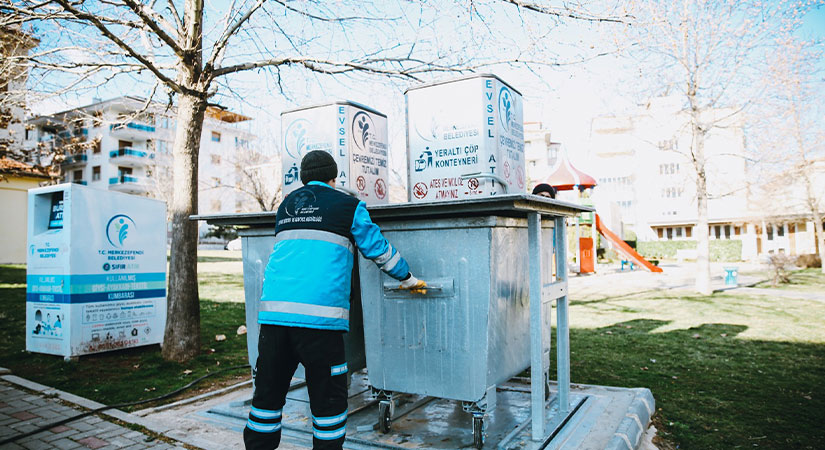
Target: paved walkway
[(26, 406)]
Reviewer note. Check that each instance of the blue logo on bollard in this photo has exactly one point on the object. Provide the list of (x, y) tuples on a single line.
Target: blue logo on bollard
[(118, 229), (505, 107), (295, 139)]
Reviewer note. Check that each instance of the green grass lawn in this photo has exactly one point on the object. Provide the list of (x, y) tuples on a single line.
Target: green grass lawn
[(124, 375), (727, 371), (805, 280)]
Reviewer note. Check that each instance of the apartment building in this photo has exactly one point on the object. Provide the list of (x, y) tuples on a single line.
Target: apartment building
[(125, 144), (540, 153), (642, 163), (14, 47)]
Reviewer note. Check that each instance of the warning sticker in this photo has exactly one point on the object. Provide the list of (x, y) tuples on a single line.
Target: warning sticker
[(380, 188), (420, 190)]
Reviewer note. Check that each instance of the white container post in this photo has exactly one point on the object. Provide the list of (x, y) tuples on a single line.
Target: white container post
[(562, 323), (96, 271), (537, 381), (465, 138), (355, 135)]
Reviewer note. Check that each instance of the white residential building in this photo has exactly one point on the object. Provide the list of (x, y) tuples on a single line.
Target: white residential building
[(125, 145), (14, 44), (642, 164), (540, 153)]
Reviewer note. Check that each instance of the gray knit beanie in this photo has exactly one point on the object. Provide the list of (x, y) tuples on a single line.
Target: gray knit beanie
[(318, 165)]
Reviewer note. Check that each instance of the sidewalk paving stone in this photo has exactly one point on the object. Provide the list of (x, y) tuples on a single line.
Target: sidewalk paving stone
[(22, 411)]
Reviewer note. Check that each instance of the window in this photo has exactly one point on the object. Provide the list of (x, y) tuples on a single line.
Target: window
[(780, 230), (660, 232), (162, 147), (727, 231), (688, 232), (678, 232), (737, 230), (96, 173), (216, 159), (669, 233), (124, 144), (216, 137), (96, 147), (123, 172), (717, 231), (77, 175), (769, 231), (802, 227)]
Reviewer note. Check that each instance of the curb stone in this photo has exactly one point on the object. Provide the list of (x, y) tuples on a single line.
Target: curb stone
[(113, 413)]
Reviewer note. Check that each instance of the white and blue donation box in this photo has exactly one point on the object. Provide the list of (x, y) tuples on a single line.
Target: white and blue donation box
[(96, 271)]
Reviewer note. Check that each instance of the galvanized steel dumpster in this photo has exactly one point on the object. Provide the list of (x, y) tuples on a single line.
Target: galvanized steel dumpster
[(476, 325)]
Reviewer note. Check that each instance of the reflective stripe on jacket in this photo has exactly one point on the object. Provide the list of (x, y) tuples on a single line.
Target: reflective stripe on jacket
[(307, 280)]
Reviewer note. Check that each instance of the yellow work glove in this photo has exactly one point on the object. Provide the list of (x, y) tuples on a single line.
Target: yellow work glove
[(414, 285)]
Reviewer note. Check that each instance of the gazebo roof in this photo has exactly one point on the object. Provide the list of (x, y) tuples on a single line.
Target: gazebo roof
[(565, 177)]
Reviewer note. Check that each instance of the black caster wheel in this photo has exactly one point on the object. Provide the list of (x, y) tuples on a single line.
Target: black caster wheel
[(478, 432), (384, 416)]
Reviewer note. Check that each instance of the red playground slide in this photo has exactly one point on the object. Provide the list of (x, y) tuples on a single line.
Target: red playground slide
[(622, 247)]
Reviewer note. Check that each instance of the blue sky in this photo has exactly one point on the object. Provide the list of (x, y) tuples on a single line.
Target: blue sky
[(565, 99)]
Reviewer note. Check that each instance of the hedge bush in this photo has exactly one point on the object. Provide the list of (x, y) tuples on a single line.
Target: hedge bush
[(720, 250)]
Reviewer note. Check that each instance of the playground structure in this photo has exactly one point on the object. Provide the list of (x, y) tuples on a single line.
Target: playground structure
[(566, 177)]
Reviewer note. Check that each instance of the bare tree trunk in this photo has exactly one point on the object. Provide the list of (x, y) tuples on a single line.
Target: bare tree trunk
[(701, 232), (181, 341), (818, 235)]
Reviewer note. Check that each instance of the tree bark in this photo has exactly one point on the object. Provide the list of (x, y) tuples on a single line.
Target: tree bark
[(701, 232), (818, 235), (181, 341)]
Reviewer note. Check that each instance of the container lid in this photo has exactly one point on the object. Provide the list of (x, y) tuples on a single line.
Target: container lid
[(466, 77), (336, 102), (510, 205)]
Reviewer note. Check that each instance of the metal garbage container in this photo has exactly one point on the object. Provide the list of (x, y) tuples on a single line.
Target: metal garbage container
[(257, 231), (472, 329), (731, 275)]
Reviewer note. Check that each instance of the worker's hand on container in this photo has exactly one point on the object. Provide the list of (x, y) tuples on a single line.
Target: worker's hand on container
[(414, 285)]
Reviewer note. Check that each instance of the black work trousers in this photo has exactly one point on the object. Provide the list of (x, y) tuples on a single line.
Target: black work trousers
[(280, 349)]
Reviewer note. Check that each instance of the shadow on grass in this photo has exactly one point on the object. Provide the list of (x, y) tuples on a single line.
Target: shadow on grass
[(712, 390)]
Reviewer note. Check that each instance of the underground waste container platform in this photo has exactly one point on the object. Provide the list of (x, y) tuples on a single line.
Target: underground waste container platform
[(440, 364), (471, 331)]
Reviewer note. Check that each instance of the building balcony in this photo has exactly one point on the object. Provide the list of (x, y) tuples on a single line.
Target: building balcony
[(131, 130), (75, 160), (81, 182), (129, 184), (129, 157)]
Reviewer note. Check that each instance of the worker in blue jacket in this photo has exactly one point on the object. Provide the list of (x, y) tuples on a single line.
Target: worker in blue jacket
[(304, 309)]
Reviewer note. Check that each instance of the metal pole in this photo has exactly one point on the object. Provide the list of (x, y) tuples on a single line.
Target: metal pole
[(562, 332), (536, 351)]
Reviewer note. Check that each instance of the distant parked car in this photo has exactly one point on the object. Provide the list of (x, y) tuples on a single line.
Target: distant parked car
[(234, 244)]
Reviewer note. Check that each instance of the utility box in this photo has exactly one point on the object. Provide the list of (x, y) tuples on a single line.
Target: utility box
[(465, 139), (355, 135), (96, 271)]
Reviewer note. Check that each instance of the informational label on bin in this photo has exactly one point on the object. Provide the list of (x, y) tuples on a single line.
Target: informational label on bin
[(105, 288), (355, 136), (463, 128)]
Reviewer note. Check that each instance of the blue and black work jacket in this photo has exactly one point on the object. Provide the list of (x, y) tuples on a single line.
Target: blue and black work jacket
[(308, 277)]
